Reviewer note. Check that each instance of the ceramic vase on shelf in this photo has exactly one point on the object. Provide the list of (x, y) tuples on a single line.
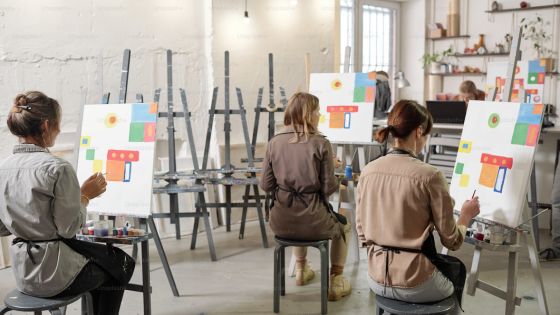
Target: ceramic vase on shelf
[(453, 19), (435, 86)]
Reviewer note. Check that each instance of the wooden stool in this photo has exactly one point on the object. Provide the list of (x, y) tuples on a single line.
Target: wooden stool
[(390, 306), (280, 266), (17, 301)]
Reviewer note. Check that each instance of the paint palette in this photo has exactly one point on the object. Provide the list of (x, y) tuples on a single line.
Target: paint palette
[(119, 140)]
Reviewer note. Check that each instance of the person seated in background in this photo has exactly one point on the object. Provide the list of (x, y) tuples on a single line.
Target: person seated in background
[(401, 200), (382, 95), (468, 91)]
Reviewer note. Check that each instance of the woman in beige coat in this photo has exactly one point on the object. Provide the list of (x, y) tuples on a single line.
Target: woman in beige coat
[(401, 201), (299, 170)]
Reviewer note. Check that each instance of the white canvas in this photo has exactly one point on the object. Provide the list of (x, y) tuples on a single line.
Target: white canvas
[(529, 79), (119, 140), (347, 103), (495, 158)]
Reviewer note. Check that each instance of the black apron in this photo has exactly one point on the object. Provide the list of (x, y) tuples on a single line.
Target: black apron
[(451, 267), (299, 195), (112, 260)]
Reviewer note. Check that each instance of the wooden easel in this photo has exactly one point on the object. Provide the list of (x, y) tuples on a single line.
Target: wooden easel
[(173, 189), (227, 171), (271, 109), (147, 222), (346, 152), (513, 249)]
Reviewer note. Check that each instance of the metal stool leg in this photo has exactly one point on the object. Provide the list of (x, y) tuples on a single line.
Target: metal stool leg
[(283, 271), (276, 290), (324, 250), (87, 304)]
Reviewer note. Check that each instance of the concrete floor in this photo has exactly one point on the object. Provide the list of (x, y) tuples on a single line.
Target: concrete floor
[(240, 282)]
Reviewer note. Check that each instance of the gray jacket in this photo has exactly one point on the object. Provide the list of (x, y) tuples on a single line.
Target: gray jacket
[(41, 201)]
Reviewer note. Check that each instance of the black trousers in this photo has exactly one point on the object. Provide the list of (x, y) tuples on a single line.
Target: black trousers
[(106, 292)]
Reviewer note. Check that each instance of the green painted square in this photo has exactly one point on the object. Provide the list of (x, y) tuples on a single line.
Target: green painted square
[(136, 132), (459, 168), (360, 94), (520, 134), (90, 154), (533, 78)]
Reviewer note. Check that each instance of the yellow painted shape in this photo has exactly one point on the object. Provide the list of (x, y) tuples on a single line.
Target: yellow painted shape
[(97, 166), (464, 180)]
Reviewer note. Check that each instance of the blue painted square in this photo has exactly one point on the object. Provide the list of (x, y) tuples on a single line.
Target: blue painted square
[(465, 146), (84, 141), (347, 120), (535, 66), (500, 179), (526, 115), (141, 113), (363, 80), (127, 171)]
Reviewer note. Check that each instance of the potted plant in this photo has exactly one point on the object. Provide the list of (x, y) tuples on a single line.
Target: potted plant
[(534, 31), (436, 60)]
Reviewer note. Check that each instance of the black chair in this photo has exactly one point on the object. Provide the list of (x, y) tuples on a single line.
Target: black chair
[(390, 306), (17, 301), (280, 266)]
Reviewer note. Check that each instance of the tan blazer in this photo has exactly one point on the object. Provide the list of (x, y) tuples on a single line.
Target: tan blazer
[(400, 201), (306, 168)]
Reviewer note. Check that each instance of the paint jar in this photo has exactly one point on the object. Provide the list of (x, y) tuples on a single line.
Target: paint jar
[(348, 172), (120, 232), (479, 236), (497, 235)]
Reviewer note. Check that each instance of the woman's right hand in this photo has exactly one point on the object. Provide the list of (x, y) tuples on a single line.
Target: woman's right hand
[(469, 210), (94, 186)]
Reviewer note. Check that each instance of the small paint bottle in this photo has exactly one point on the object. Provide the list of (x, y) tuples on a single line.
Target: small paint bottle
[(115, 231), (124, 231), (348, 172), (120, 232)]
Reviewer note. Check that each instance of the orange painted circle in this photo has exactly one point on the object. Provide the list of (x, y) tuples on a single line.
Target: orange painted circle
[(111, 120)]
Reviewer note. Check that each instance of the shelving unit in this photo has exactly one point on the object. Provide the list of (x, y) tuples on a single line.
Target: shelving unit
[(437, 81), (541, 7), (459, 74), (480, 55), (448, 37)]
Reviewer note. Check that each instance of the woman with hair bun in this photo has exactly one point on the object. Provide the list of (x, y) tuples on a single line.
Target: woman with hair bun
[(43, 206), (401, 200)]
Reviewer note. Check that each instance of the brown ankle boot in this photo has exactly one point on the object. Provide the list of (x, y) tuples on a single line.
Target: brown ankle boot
[(304, 275), (338, 287)]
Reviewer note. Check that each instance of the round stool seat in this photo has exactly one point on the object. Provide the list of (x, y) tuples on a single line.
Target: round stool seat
[(18, 301), (287, 242), (405, 308)]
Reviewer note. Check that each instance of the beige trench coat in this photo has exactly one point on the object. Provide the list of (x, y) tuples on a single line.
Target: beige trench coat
[(301, 175)]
